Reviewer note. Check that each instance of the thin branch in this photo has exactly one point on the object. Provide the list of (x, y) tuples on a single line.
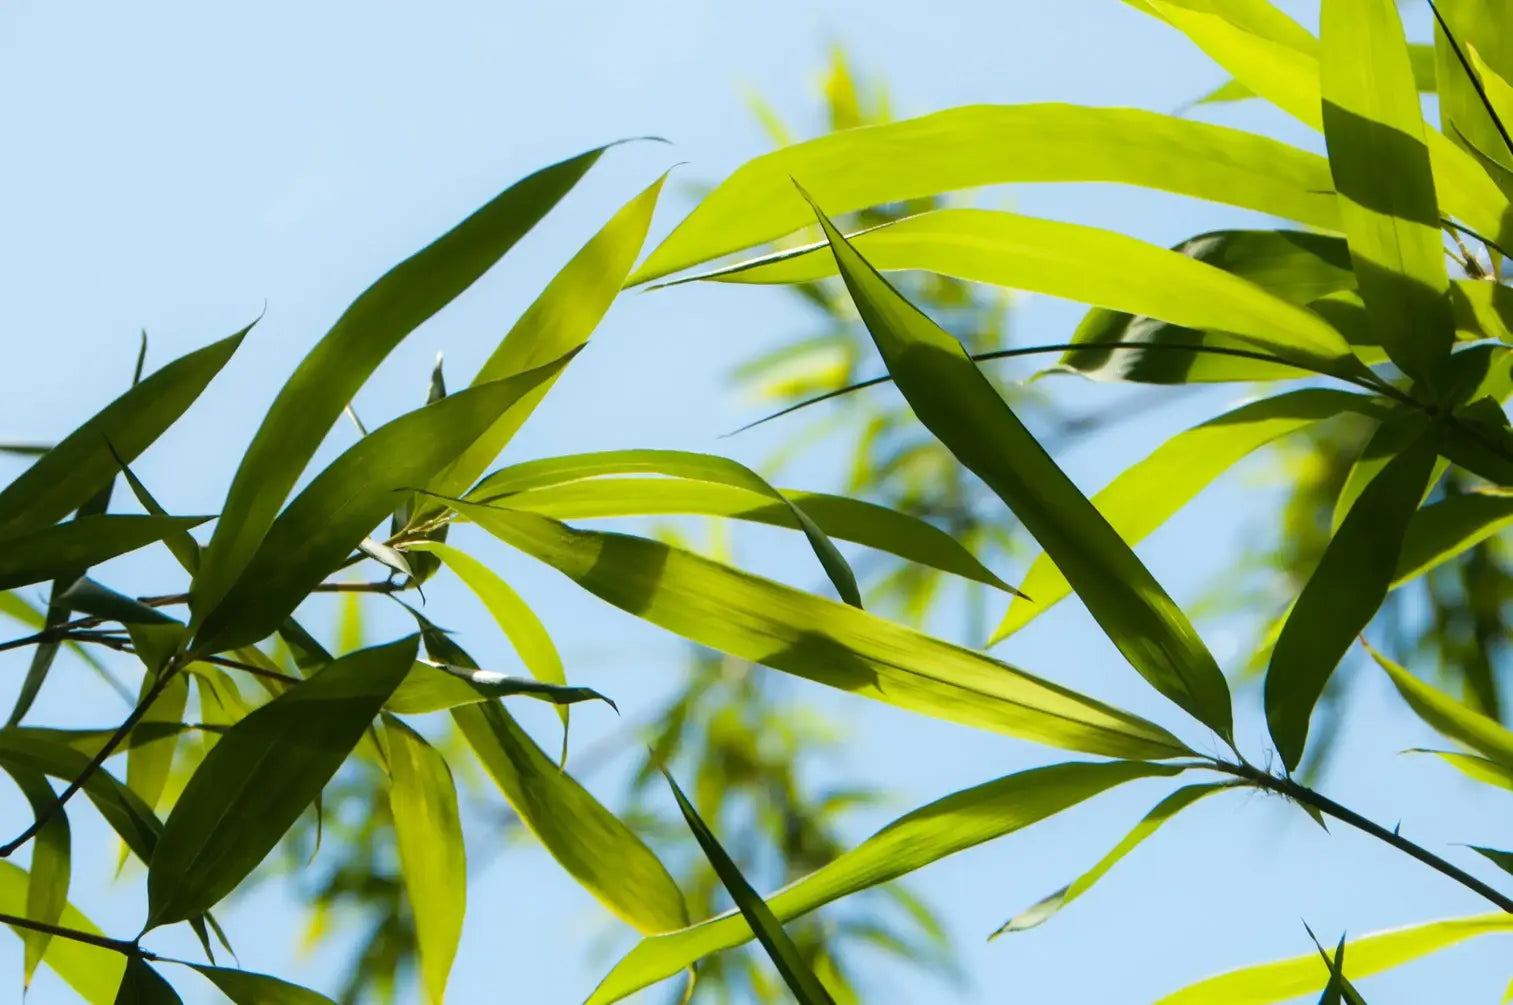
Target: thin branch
[(257, 671), (1308, 797), (102, 941)]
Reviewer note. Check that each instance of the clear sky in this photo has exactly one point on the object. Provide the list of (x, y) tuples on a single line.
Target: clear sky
[(178, 166)]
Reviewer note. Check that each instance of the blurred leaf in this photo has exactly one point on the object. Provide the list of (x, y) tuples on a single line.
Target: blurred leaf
[(92, 972), (1163, 811), (142, 985), (52, 852), (85, 461), (246, 988), (956, 403), (1075, 262), (432, 856), (1479, 25), (327, 520), (809, 636), (260, 777), (1481, 769), (434, 688), (926, 835), (1447, 528), (1449, 717), (330, 375), (1370, 954), (1342, 595), (806, 988), (38, 554), (1150, 492)]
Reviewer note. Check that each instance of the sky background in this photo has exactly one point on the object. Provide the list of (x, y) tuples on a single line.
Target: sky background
[(177, 167)]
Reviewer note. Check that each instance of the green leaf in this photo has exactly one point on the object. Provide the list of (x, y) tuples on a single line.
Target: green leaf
[(1380, 163), (1342, 595), (257, 780), (1447, 528), (853, 520), (1397, 431), (956, 403), (990, 145), (785, 956), (149, 762), (1339, 989), (339, 507), (824, 641), (47, 883), (327, 379), (591, 843), (142, 985), (679, 464), (93, 972), (561, 319), (1502, 859), (39, 554), (1449, 717), (87, 596), (1370, 954), (246, 988), (184, 547), (65, 477), (1479, 25), (430, 688), (1075, 262), (1149, 493), (928, 834), (1163, 811), (432, 857), (1425, 78), (1477, 768)]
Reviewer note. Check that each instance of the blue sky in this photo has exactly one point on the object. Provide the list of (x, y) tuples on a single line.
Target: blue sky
[(178, 166)]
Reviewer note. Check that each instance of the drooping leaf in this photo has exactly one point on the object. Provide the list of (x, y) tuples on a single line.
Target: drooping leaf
[(184, 547), (828, 642), (961, 408), (1502, 859), (260, 777), (1380, 164), (66, 476), (1342, 595), (1370, 954), (87, 596), (330, 375), (432, 857), (1087, 264), (1473, 766), (342, 504), (1450, 527), (142, 985), (52, 856), (928, 834), (429, 688), (93, 972), (36, 555), (1449, 717), (1159, 814), (853, 520), (246, 988), (1150, 492), (1425, 78), (785, 956)]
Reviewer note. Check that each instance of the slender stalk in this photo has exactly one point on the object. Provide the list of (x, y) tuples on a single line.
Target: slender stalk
[(256, 671), (1302, 794), (73, 934)]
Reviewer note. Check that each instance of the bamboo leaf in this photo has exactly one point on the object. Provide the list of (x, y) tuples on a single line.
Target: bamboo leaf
[(327, 379), (928, 834), (246, 988), (260, 777), (1370, 954), (342, 504), (1479, 25), (434, 688), (184, 547), (142, 985), (1502, 859), (85, 462), (1449, 717), (148, 762), (1149, 493), (824, 641), (1163, 811), (957, 404), (52, 851), (1473, 766), (806, 987), (40, 554), (1425, 78), (1381, 166), (1342, 595), (94, 973), (432, 857), (1447, 528), (990, 145)]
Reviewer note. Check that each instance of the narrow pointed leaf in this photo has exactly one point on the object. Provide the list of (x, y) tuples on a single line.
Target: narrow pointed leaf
[(824, 641), (65, 477), (260, 777), (94, 973), (184, 547), (246, 988), (785, 956), (326, 521), (432, 858), (142, 985), (1370, 954), (990, 145), (47, 881), (1449, 717), (1162, 812), (1425, 78), (1450, 527), (326, 380), (149, 762), (41, 554), (1474, 766), (928, 834), (956, 403), (1502, 859), (434, 688), (1149, 493), (1479, 25), (1342, 595)]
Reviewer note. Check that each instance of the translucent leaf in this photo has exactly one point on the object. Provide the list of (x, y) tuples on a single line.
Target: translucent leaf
[(92, 972)]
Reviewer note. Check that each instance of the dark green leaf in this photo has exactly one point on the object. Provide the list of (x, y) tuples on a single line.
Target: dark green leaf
[(39, 554), (246, 988), (143, 985), (93, 972), (1502, 859), (430, 688)]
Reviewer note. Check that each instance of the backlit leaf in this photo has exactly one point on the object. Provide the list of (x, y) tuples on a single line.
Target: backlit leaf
[(52, 851), (92, 972), (246, 988), (36, 555), (1449, 717)]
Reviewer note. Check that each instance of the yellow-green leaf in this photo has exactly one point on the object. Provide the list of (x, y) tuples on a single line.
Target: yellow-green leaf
[(92, 971), (52, 856), (246, 988), (1449, 717)]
